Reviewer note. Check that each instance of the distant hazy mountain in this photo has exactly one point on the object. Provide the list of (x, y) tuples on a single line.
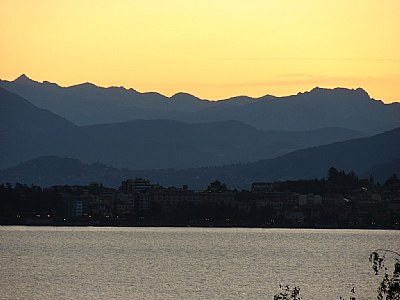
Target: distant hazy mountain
[(318, 108), (28, 132), (51, 170), (383, 171), (171, 144), (359, 155), (87, 104)]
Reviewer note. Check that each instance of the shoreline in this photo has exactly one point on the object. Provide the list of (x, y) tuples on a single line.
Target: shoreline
[(61, 224)]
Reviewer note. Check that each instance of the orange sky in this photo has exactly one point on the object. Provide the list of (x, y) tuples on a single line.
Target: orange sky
[(212, 49)]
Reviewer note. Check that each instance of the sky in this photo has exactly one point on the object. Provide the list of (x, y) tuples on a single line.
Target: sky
[(211, 49)]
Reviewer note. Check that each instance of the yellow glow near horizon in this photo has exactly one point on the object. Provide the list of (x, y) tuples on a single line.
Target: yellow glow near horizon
[(212, 49)]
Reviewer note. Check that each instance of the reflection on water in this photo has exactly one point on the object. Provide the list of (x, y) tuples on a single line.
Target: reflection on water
[(186, 263)]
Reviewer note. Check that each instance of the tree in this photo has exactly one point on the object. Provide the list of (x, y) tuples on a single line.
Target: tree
[(217, 186), (392, 180), (389, 288)]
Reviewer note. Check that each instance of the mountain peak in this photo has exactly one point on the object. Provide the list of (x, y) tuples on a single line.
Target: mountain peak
[(23, 79), (88, 84), (340, 92), (85, 85), (183, 96), (361, 91)]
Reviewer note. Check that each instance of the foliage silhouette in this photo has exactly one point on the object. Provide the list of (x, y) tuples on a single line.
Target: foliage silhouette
[(389, 288), (288, 293)]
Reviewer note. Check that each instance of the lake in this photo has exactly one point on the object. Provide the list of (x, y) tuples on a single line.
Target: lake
[(187, 263)]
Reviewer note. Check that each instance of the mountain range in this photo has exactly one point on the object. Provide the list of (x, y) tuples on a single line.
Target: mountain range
[(377, 156), (87, 104), (65, 135), (29, 132)]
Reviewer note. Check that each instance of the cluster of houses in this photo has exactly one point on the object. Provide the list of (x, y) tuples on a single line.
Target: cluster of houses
[(135, 197)]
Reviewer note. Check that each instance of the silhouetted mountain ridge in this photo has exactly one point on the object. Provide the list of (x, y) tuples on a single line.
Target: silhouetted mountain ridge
[(29, 132), (53, 170), (88, 104), (360, 155)]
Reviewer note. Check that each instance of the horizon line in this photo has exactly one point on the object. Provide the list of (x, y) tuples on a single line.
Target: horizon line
[(202, 99)]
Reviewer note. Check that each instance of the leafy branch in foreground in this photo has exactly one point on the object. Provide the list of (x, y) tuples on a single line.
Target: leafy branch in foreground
[(288, 294), (389, 288)]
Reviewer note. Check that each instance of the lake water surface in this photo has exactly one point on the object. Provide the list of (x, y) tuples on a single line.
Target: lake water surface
[(187, 263)]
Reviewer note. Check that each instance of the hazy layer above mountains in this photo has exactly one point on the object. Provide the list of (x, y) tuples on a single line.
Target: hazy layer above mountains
[(28, 132), (87, 104)]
